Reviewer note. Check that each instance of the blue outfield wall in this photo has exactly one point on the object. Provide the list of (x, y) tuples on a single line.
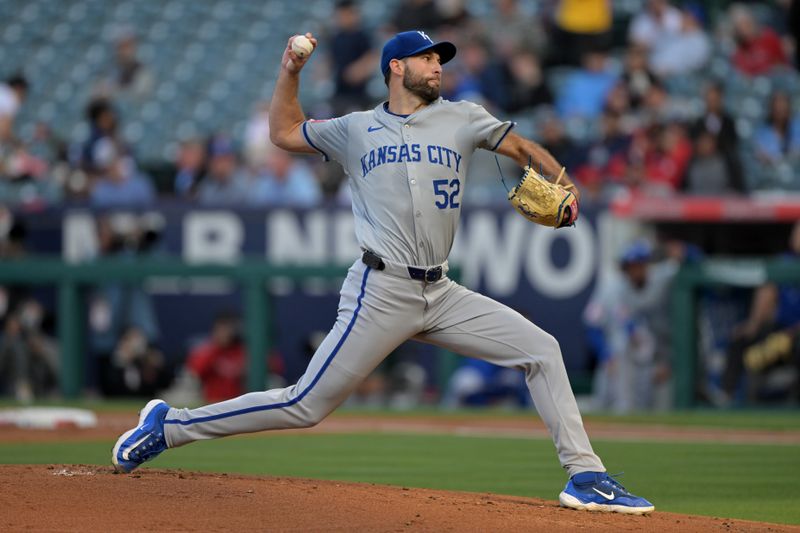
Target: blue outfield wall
[(545, 274)]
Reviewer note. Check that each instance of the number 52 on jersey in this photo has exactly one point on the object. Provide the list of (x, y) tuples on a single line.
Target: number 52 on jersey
[(447, 192)]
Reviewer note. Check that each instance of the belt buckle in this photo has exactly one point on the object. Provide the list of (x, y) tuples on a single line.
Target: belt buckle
[(433, 274)]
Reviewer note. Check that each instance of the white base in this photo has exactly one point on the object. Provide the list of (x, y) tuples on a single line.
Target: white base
[(47, 418), (567, 500)]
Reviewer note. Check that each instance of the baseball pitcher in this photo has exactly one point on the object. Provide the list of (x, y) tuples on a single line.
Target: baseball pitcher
[(407, 162)]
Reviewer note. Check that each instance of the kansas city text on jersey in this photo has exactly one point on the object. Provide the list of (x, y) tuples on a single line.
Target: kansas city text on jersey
[(409, 153)]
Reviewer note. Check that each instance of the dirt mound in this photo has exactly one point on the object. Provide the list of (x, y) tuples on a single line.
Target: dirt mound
[(91, 498)]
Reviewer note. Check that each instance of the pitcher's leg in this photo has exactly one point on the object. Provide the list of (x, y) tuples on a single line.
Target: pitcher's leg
[(477, 326), (323, 387), (357, 343)]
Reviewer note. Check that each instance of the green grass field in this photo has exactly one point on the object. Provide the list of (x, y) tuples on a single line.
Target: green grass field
[(755, 482), (772, 420)]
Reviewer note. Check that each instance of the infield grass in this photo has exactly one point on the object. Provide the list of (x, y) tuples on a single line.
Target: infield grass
[(755, 482), (757, 419)]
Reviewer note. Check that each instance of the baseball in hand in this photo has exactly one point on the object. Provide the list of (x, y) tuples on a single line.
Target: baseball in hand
[(302, 46)]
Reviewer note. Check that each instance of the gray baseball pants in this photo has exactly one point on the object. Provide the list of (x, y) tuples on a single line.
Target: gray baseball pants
[(378, 311)]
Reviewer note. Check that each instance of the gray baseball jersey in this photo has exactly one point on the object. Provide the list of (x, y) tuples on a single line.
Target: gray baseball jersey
[(407, 173), (407, 177)]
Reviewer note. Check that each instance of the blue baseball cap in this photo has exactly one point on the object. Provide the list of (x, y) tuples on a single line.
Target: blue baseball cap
[(411, 43), (639, 251)]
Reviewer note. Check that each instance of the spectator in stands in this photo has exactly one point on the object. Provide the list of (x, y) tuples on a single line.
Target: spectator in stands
[(658, 158), (128, 77), (455, 15), (555, 140), (478, 77), (104, 140), (136, 367), (12, 94), (793, 22), (758, 48), (684, 52), (23, 175), (718, 123), (48, 147), (667, 163), (191, 166), (219, 362), (12, 239), (770, 337), (28, 352), (116, 307), (284, 180), (24, 179), (256, 136), (507, 28), (603, 165), (659, 107), (657, 21), (527, 87), (708, 173), (352, 58), (225, 183), (414, 15), (619, 103), (119, 183), (579, 28), (637, 76), (778, 139), (585, 91), (627, 322)]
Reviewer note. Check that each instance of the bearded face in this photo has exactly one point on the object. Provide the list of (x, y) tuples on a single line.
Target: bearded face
[(418, 84)]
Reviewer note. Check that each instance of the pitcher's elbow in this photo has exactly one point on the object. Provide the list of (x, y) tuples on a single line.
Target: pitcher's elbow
[(277, 139)]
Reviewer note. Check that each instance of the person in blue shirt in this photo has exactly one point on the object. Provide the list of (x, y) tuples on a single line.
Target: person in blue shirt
[(285, 180), (120, 184), (584, 91), (779, 137)]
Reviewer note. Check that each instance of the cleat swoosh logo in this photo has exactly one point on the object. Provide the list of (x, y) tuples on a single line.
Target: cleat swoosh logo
[(604, 495), (375, 128), (126, 453)]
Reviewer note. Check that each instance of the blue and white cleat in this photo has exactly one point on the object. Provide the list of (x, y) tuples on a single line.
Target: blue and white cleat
[(597, 491), (143, 442)]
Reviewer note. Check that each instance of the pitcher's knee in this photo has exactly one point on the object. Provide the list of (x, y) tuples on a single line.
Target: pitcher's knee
[(551, 348), (308, 416), (546, 353)]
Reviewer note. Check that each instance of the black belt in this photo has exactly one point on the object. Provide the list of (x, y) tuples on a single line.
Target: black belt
[(429, 275)]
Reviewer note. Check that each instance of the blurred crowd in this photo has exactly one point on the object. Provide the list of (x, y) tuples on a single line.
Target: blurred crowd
[(749, 339), (687, 97), (672, 98)]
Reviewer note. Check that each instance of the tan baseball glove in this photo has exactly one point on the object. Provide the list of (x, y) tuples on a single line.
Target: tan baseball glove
[(544, 202)]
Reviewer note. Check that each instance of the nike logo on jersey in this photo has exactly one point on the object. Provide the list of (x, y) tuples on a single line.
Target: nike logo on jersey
[(375, 128), (608, 497)]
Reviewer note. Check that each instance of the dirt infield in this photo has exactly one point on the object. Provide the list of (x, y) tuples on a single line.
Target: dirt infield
[(111, 425), (90, 498)]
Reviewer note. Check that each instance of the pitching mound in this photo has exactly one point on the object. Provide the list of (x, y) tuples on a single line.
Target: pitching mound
[(90, 498)]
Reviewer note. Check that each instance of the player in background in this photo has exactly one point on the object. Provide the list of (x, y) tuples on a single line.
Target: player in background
[(406, 162)]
